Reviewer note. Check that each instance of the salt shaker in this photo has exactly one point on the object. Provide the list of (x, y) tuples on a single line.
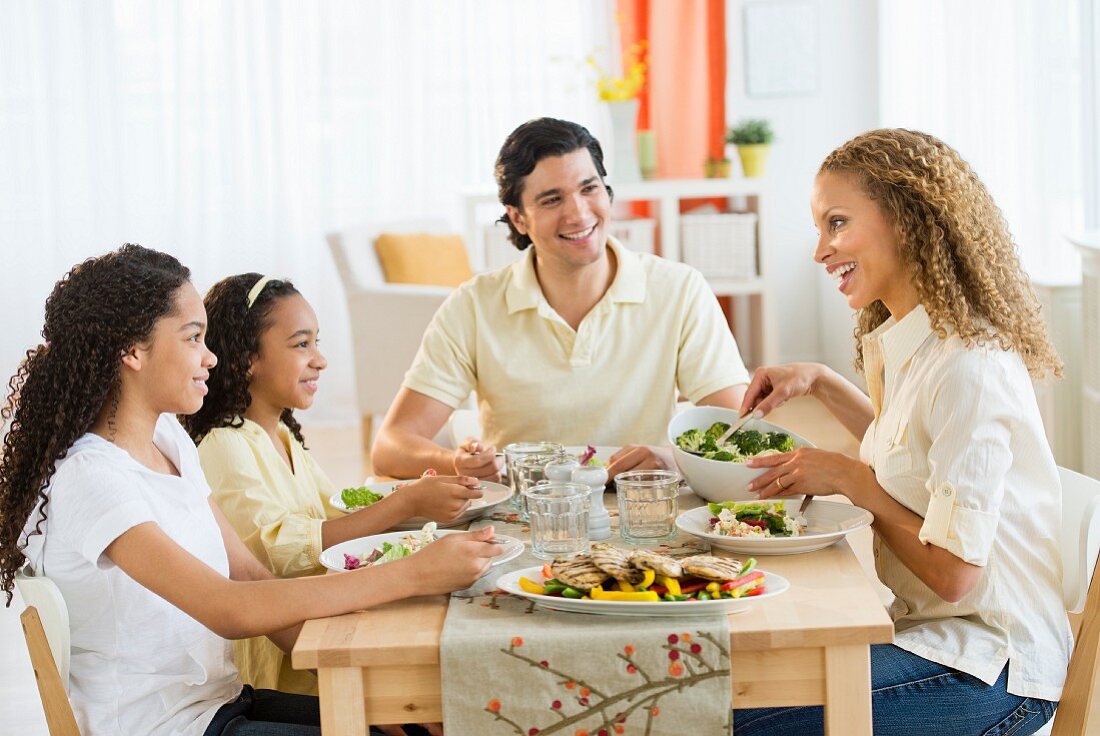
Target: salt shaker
[(595, 477)]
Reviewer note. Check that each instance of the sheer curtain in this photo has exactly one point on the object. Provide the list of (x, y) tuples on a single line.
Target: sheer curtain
[(1000, 81), (234, 135)]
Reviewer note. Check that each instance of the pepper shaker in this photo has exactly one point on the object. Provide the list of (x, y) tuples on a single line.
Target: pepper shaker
[(599, 521)]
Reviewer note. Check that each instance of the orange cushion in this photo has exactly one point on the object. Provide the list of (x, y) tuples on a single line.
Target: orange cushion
[(421, 258)]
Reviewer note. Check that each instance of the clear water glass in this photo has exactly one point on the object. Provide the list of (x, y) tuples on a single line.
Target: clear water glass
[(558, 514), (648, 502), (516, 450), (530, 470)]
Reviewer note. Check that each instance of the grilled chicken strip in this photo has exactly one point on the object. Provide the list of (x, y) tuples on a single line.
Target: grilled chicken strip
[(578, 572), (658, 563), (711, 568)]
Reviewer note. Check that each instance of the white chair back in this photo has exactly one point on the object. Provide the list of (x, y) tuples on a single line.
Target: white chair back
[(355, 256), (43, 594), (1080, 536)]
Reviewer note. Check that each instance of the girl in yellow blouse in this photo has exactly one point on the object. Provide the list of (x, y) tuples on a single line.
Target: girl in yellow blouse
[(255, 460)]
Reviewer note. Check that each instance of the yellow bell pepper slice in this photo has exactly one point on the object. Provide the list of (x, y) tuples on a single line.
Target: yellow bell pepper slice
[(531, 586), (670, 584), (618, 595), (647, 580), (712, 588), (624, 586)]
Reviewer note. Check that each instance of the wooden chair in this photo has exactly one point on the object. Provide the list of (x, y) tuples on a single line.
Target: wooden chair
[(46, 628), (1079, 711)]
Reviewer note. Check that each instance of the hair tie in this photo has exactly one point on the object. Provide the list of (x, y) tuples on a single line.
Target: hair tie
[(256, 289)]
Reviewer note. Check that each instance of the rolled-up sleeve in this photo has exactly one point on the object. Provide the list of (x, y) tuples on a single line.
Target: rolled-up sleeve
[(970, 423), (285, 540)]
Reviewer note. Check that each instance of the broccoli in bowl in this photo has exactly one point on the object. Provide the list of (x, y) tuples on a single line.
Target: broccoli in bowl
[(742, 444)]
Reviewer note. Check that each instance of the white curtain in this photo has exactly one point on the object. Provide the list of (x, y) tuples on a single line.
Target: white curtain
[(235, 134), (1000, 81)]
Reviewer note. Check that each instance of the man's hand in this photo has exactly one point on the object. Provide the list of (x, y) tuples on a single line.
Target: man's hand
[(473, 459), (640, 457)]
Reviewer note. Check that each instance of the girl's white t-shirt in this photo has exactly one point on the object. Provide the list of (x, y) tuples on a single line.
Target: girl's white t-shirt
[(139, 664)]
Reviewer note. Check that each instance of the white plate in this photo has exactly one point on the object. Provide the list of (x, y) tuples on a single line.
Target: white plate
[(494, 494), (603, 453), (827, 522), (333, 557), (773, 585)]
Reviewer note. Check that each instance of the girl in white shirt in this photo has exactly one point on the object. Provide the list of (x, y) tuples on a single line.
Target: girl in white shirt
[(101, 490), (954, 463)]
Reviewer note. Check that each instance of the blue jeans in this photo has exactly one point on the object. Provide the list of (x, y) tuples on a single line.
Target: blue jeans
[(272, 713), (910, 695)]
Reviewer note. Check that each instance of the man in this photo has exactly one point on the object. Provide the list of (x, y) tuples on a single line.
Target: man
[(580, 342)]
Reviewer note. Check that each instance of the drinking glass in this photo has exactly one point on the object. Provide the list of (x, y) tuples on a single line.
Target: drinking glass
[(558, 514), (514, 452), (648, 501), (530, 470)]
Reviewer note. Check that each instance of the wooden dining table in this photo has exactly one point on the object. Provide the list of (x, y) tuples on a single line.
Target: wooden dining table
[(809, 646)]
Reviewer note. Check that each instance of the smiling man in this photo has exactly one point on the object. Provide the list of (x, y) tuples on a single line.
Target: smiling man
[(580, 342)]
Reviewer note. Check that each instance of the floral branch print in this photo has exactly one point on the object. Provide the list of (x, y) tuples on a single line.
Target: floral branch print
[(642, 698)]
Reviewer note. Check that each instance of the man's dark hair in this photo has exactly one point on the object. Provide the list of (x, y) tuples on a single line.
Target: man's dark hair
[(525, 147)]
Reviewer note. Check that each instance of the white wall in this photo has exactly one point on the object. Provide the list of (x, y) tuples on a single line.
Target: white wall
[(813, 320)]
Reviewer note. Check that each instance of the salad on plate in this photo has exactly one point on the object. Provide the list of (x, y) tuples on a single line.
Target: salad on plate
[(389, 551), (754, 519)]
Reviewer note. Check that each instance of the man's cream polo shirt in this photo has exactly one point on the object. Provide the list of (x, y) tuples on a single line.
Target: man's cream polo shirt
[(656, 333)]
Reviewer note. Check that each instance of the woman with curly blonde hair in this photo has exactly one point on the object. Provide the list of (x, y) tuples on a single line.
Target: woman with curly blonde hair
[(954, 463)]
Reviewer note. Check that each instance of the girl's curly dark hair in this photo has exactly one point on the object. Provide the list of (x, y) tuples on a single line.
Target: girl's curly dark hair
[(233, 333), (98, 311)]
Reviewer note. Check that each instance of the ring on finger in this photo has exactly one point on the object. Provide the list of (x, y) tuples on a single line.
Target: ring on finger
[(779, 482)]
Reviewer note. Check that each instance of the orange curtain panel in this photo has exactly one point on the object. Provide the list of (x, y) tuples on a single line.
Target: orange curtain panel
[(684, 98)]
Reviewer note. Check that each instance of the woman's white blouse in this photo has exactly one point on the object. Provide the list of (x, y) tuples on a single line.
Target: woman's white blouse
[(957, 439)]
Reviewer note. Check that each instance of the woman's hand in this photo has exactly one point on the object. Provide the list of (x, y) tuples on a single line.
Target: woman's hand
[(811, 472), (773, 385), (440, 498), (472, 458), (452, 562), (639, 457)]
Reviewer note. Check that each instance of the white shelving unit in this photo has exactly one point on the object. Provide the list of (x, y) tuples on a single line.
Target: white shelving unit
[(752, 315)]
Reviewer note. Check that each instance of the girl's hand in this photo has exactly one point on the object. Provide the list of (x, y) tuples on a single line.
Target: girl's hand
[(452, 562), (639, 457), (811, 472), (773, 385), (473, 458), (441, 498)]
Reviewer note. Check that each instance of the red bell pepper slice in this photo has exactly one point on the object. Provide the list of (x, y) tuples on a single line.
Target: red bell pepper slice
[(738, 582)]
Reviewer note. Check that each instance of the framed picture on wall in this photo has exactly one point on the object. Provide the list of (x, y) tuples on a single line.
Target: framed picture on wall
[(781, 48)]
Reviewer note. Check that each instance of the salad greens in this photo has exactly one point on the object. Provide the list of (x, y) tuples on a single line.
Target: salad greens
[(753, 519), (359, 497), (742, 444), (408, 544)]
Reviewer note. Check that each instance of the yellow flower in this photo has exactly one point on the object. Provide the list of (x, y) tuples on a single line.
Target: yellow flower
[(626, 87)]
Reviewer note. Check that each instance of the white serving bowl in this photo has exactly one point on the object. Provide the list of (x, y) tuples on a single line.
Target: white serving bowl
[(715, 480)]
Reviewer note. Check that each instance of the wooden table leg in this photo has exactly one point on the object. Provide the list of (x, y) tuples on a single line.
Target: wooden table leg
[(848, 691), (342, 700)]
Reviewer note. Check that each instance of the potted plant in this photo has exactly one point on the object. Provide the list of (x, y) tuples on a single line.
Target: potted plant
[(717, 168), (753, 137)]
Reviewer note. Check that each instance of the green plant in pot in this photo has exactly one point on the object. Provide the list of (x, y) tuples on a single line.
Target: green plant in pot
[(753, 137)]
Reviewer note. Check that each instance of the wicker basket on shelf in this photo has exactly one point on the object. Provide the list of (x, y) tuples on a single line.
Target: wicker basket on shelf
[(720, 246)]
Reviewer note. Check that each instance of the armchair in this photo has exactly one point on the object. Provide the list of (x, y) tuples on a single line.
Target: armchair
[(387, 320)]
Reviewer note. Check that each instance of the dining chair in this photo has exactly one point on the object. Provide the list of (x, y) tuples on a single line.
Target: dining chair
[(1079, 710), (387, 320), (46, 629)]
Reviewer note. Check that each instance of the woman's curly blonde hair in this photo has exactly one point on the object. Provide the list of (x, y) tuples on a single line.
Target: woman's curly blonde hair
[(955, 241)]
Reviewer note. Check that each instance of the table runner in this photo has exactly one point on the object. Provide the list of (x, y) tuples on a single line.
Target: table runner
[(511, 667)]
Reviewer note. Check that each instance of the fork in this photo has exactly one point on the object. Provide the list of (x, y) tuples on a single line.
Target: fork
[(805, 504)]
